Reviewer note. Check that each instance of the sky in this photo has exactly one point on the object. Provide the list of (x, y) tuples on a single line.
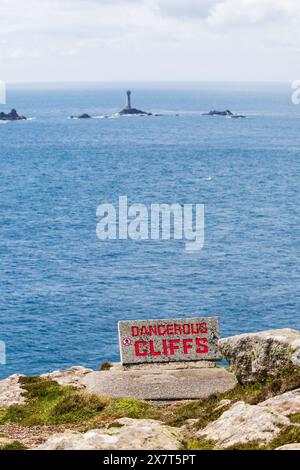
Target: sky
[(152, 40)]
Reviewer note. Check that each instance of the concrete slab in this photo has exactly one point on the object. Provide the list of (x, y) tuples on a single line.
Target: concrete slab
[(186, 384)]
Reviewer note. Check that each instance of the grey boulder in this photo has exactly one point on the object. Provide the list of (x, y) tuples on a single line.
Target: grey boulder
[(257, 356)]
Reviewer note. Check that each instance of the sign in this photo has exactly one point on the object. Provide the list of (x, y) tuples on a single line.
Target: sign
[(171, 340)]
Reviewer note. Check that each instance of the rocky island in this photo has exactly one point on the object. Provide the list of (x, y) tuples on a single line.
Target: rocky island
[(226, 113), (12, 116), (66, 410), (81, 116), (129, 111)]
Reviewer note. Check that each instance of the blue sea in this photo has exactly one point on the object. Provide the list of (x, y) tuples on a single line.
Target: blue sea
[(63, 290)]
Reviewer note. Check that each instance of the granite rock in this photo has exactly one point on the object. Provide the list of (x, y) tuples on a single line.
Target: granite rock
[(131, 434), (260, 355), (72, 376), (286, 404), (295, 446), (11, 392), (243, 424)]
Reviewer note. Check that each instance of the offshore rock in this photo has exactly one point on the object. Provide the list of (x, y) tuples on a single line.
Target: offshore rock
[(12, 116), (81, 116), (226, 113), (132, 111)]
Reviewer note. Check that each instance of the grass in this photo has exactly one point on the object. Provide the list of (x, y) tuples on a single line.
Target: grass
[(15, 445), (77, 407), (295, 418), (132, 408), (197, 444), (288, 435), (206, 411), (50, 403)]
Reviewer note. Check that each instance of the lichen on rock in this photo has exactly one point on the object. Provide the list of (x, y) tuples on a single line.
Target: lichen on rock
[(134, 434), (257, 356), (243, 424)]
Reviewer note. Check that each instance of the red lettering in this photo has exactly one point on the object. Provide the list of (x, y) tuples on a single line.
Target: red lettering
[(170, 330), (144, 331), (165, 347), (186, 329), (187, 345), (138, 352), (152, 349), (203, 328), (194, 329), (152, 331), (203, 348), (174, 346), (135, 331), (177, 329), (161, 330)]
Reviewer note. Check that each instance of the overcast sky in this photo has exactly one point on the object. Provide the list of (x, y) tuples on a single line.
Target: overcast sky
[(59, 40)]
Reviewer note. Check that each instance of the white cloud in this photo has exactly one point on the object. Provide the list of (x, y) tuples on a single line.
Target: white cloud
[(254, 13), (186, 8), (149, 39)]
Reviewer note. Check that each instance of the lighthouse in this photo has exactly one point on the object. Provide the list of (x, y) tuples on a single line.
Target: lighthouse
[(128, 110), (128, 92)]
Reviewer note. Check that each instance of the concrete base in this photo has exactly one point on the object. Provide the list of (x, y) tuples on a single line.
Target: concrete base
[(186, 384), (118, 366)]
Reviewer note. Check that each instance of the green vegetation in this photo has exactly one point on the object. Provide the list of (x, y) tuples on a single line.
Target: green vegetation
[(288, 435), (105, 366), (197, 444), (50, 403), (15, 445), (131, 408), (77, 407), (210, 409), (295, 418)]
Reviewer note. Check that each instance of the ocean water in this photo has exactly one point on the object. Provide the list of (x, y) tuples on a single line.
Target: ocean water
[(63, 291)]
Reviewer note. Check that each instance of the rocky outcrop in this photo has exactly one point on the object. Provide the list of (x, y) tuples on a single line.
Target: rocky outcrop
[(12, 116), (286, 404), (132, 111), (289, 447), (11, 392), (226, 113), (218, 113), (4, 441), (244, 424), (72, 376), (81, 116), (260, 355), (125, 434)]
